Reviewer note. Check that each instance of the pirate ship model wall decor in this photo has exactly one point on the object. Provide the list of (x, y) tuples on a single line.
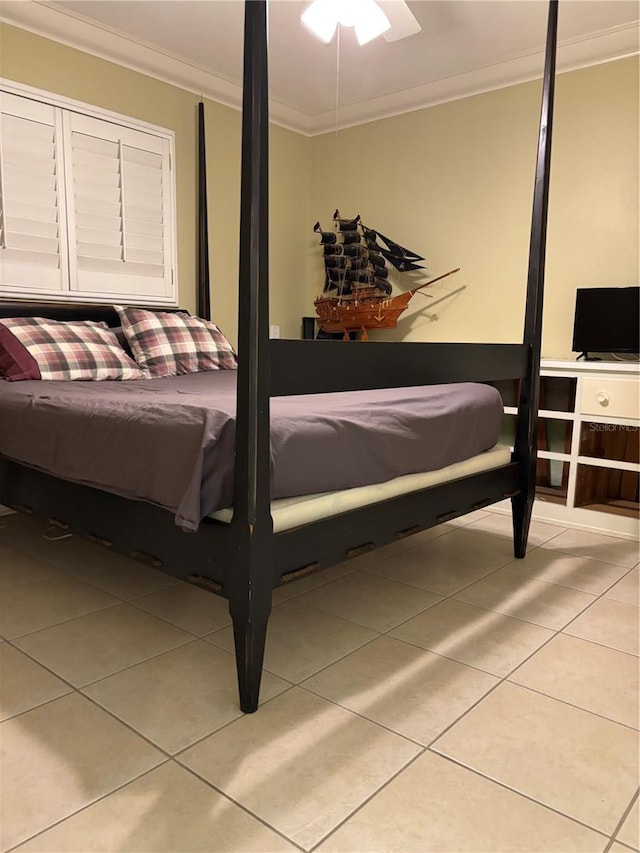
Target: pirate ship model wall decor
[(357, 293)]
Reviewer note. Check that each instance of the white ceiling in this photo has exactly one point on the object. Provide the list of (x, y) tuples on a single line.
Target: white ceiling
[(465, 47)]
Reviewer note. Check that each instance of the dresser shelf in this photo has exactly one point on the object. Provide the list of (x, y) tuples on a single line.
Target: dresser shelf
[(588, 471)]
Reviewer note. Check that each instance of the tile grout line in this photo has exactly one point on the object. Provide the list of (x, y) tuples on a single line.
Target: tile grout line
[(622, 844), (491, 690), (430, 746), (152, 743), (46, 559), (121, 600), (240, 716), (367, 800), (78, 692), (81, 687), (63, 621), (524, 796), (169, 757), (429, 749), (556, 631), (515, 668), (460, 529), (450, 596), (332, 663), (423, 749), (138, 663), (515, 562), (240, 805), (571, 705), (310, 607), (384, 633), (441, 596), (621, 822), (505, 678), (175, 759), (86, 806), (361, 716)]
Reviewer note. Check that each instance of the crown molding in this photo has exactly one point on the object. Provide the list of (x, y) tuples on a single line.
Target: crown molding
[(66, 27), (596, 49)]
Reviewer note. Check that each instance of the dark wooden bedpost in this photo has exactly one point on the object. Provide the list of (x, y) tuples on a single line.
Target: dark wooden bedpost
[(525, 448), (251, 580), (204, 293)]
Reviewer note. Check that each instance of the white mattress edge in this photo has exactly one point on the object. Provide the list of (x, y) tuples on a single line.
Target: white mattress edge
[(288, 513)]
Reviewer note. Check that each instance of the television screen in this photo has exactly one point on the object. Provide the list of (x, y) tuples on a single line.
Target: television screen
[(607, 319)]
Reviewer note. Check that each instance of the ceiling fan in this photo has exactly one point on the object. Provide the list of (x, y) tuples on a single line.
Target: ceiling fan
[(403, 21), (391, 19)]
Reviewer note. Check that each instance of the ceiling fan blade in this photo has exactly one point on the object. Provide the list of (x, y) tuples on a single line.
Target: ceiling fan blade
[(402, 20)]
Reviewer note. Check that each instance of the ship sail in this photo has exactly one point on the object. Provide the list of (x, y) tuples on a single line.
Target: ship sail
[(402, 259), (357, 294)]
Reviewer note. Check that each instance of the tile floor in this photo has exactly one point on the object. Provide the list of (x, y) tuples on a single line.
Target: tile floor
[(433, 696)]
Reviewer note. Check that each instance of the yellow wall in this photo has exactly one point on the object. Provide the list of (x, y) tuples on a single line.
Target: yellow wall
[(39, 62), (455, 182)]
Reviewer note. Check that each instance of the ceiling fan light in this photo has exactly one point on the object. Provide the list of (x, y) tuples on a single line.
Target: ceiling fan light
[(370, 21), (322, 18)]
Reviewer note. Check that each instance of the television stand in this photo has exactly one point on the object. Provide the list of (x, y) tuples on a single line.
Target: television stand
[(584, 356)]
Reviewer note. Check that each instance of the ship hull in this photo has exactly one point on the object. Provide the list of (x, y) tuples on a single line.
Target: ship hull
[(357, 315)]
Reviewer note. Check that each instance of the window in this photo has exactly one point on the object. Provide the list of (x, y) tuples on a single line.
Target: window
[(86, 203)]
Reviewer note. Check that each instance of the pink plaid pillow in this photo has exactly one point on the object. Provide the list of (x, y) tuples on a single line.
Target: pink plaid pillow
[(37, 348), (168, 344)]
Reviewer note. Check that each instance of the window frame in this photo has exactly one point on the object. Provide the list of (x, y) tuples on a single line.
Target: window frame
[(69, 291)]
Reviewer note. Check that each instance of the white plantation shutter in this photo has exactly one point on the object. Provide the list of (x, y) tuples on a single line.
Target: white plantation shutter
[(120, 217), (87, 209), (33, 239)]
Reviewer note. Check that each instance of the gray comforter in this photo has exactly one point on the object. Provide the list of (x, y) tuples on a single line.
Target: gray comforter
[(171, 441)]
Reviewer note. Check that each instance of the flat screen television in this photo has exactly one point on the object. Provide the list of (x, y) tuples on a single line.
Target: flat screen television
[(607, 319)]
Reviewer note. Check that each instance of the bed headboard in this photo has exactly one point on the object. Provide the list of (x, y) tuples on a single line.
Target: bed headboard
[(69, 311), (58, 311)]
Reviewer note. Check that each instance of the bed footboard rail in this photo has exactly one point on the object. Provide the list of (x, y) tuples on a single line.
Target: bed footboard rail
[(308, 367), (329, 541)]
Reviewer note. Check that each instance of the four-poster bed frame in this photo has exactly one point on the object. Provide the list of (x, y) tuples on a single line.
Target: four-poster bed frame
[(245, 560)]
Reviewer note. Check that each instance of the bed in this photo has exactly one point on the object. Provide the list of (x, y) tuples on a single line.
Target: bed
[(170, 440), (266, 539)]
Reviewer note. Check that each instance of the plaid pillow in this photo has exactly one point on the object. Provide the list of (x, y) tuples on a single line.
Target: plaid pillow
[(37, 348), (167, 344)]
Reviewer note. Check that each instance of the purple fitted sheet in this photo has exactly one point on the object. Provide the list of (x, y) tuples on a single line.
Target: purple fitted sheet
[(170, 441)]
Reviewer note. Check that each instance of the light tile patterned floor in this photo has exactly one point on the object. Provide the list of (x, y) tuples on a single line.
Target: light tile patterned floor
[(432, 696)]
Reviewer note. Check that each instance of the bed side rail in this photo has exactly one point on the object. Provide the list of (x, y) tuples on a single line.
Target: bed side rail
[(314, 367)]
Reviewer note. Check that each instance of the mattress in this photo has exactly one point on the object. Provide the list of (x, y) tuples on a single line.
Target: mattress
[(288, 513), (171, 441)]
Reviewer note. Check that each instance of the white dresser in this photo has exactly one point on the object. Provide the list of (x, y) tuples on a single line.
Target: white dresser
[(588, 441)]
